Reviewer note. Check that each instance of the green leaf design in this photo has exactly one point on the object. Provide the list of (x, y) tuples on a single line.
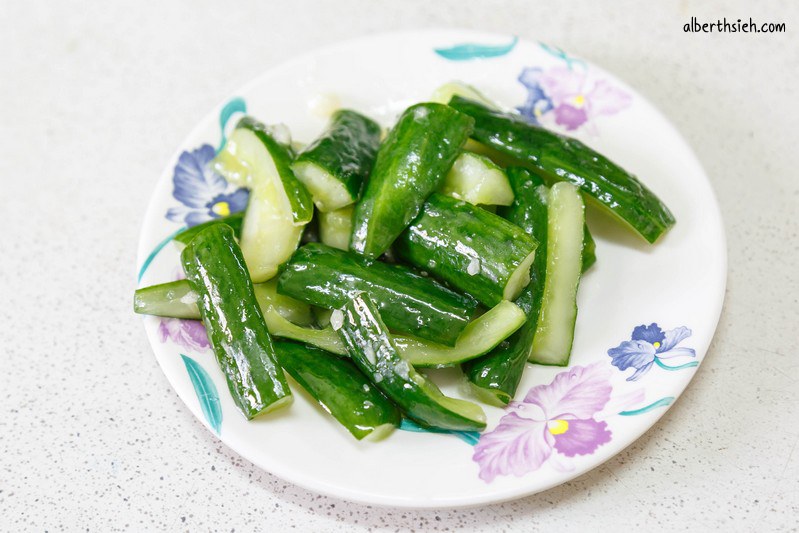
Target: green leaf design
[(236, 105), (467, 51), (206, 393)]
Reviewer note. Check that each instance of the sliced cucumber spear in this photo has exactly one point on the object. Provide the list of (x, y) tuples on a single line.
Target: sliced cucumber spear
[(555, 329), (335, 227), (177, 300), (335, 165), (495, 376), (279, 204), (561, 158), (479, 337), (215, 270), (323, 276), (475, 251), (373, 350), (341, 389), (477, 180), (411, 163)]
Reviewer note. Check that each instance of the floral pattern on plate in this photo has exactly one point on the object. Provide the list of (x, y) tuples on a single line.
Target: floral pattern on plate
[(648, 346), (204, 194), (568, 98)]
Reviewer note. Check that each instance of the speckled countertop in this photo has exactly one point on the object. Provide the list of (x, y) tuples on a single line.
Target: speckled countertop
[(93, 100)]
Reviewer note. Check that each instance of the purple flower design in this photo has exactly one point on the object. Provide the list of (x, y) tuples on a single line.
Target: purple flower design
[(648, 345), (554, 422), (187, 333), (205, 195), (568, 98)]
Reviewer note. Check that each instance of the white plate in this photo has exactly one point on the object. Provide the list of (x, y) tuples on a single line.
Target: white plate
[(586, 413)]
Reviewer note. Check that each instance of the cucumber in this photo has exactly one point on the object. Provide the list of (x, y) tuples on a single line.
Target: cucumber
[(295, 311), (555, 330), (280, 312), (477, 180), (479, 337), (372, 349), (561, 158), (475, 251), (495, 377), (411, 163), (444, 93), (234, 221), (279, 204), (175, 299), (335, 227), (334, 166), (215, 270), (410, 303), (341, 389), (589, 249)]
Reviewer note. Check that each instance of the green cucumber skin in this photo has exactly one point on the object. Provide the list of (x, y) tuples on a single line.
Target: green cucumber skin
[(561, 158), (338, 385), (215, 270), (450, 237), (302, 207), (589, 249), (500, 371), (373, 351), (346, 150), (234, 221), (411, 163), (409, 303)]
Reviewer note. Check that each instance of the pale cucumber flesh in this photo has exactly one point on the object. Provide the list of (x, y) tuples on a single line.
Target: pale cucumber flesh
[(476, 179), (328, 192), (269, 234), (335, 227), (555, 331)]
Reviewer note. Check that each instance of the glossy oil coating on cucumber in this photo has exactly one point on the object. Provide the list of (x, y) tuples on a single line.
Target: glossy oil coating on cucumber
[(410, 303), (475, 251), (341, 389), (555, 330), (495, 376), (477, 180), (215, 270), (411, 163), (561, 158), (372, 349), (235, 221), (335, 228), (334, 166), (279, 204)]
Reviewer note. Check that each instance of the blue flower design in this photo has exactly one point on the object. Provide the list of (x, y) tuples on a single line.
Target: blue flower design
[(537, 102), (648, 346), (205, 195)]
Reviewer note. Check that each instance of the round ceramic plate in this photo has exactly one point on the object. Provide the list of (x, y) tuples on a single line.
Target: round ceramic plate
[(646, 313)]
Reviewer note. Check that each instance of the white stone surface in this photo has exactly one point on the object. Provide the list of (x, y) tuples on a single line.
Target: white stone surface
[(95, 97)]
